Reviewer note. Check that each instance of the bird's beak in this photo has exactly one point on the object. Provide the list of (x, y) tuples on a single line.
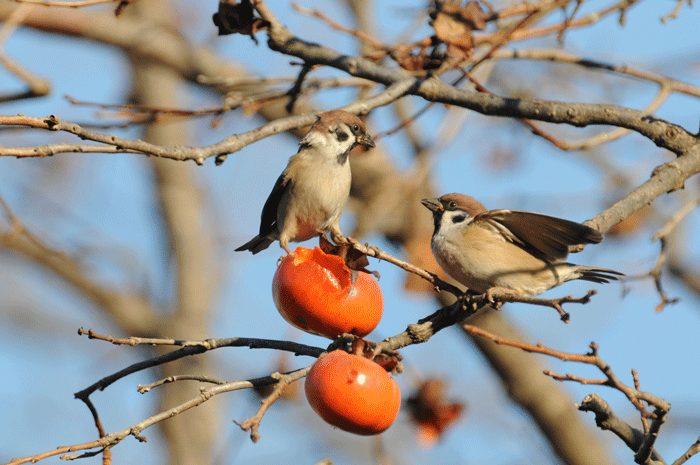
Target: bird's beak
[(366, 140), (433, 205)]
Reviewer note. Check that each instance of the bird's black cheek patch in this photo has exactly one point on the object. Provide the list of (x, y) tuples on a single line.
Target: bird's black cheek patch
[(459, 218), (341, 136)]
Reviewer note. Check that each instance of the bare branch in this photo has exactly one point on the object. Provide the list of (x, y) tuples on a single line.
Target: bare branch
[(38, 86), (604, 137), (673, 222), (189, 348), (283, 380), (606, 419), (591, 18), (662, 133), (67, 4), (676, 9), (144, 388), (198, 155), (642, 444), (473, 299), (364, 37), (135, 430), (635, 378), (427, 327), (644, 454), (465, 306), (210, 344), (635, 396), (562, 56), (662, 235), (665, 178), (375, 252), (553, 303), (694, 449)]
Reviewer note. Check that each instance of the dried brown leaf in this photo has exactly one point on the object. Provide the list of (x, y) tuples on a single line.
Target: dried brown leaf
[(430, 409), (238, 18), (454, 24), (452, 31)]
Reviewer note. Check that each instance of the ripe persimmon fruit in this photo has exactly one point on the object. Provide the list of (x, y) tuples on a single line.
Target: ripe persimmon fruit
[(315, 292), (352, 393)]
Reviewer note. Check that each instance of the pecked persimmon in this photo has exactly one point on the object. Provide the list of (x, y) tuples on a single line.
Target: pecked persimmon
[(352, 393), (317, 293)]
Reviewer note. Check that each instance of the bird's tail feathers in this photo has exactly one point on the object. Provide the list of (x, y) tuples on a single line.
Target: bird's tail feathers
[(598, 275), (256, 244)]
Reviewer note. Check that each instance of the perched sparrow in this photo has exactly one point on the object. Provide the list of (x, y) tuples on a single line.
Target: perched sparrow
[(508, 251), (311, 192)]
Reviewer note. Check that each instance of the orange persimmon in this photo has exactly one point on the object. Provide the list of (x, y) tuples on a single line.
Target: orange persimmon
[(315, 292), (353, 393)]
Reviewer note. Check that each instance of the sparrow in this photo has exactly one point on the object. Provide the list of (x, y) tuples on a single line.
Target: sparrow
[(508, 251), (310, 194)]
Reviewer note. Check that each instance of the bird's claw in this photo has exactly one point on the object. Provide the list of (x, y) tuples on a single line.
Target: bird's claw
[(286, 249), (341, 240), (495, 296)]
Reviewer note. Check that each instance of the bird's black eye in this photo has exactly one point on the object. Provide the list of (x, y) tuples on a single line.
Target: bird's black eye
[(452, 204), (355, 128)]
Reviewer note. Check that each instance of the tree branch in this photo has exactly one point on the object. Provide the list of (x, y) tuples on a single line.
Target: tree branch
[(606, 419), (229, 145), (662, 133), (190, 348)]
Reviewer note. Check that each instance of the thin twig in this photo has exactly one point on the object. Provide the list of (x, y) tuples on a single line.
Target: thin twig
[(144, 388), (190, 348), (67, 4), (135, 430), (375, 252), (229, 145), (592, 17), (283, 380), (646, 449), (19, 229), (662, 236), (427, 327), (552, 303), (364, 37), (673, 222), (293, 93), (634, 395), (564, 57), (692, 450), (635, 378), (606, 419), (480, 300), (602, 138), (38, 86), (673, 14)]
